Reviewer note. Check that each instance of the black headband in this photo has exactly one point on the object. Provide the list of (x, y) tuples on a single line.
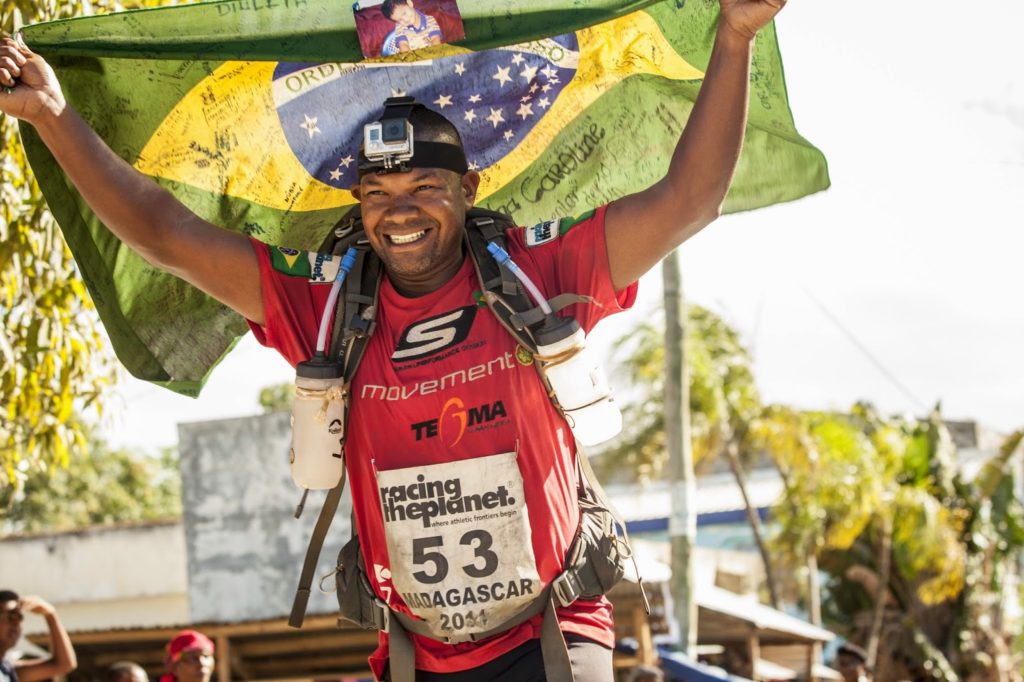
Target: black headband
[(424, 155)]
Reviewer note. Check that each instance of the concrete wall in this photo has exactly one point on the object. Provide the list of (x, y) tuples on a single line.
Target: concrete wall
[(102, 578), (244, 547)]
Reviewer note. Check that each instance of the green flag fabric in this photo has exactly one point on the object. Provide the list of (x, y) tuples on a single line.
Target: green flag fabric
[(251, 112)]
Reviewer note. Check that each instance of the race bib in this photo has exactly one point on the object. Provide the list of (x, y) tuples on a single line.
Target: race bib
[(459, 541)]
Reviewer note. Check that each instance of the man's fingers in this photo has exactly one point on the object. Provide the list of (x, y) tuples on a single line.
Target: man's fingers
[(6, 78), (10, 66), (16, 45), (12, 52)]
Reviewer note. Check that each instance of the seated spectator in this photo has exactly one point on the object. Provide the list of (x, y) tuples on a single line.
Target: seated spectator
[(189, 658), (62, 658)]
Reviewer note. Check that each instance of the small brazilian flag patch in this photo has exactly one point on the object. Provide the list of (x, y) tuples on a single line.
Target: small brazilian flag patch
[(290, 261)]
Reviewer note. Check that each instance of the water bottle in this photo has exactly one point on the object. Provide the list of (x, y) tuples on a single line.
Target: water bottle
[(578, 380), (318, 424)]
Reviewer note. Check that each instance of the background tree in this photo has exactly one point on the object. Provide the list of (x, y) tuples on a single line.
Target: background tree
[(102, 487), (918, 555), (277, 397), (54, 365)]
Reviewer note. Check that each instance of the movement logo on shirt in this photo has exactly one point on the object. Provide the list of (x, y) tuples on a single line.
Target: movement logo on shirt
[(434, 334), (455, 419)]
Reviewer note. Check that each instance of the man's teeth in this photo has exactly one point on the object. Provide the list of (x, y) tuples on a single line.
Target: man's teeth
[(406, 238)]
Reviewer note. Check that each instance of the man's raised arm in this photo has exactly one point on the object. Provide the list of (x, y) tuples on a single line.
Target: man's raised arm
[(137, 210), (62, 658), (643, 228)]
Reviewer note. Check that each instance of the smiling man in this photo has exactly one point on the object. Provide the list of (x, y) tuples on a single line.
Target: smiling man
[(465, 477)]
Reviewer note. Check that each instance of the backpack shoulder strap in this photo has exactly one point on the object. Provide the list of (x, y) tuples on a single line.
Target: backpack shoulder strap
[(355, 318), (500, 289), (354, 323)]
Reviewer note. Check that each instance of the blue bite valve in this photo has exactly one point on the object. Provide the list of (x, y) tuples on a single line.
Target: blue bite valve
[(501, 255), (347, 261)]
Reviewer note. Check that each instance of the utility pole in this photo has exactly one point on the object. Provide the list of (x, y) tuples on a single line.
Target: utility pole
[(682, 523)]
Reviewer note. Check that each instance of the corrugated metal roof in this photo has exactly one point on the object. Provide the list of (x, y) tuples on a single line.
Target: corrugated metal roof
[(715, 494), (768, 621)]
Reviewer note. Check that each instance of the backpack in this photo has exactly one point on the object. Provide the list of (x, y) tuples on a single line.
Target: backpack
[(596, 558)]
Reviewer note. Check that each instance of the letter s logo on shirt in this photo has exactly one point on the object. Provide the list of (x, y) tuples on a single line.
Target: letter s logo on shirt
[(434, 334)]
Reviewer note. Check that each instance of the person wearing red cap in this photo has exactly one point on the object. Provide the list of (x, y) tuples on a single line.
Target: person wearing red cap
[(189, 658)]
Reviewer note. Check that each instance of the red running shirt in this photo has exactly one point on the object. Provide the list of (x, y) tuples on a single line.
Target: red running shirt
[(442, 384)]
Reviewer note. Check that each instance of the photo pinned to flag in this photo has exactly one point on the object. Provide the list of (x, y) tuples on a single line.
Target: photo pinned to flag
[(390, 27)]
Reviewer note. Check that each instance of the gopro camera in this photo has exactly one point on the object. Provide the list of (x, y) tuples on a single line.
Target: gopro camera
[(390, 141)]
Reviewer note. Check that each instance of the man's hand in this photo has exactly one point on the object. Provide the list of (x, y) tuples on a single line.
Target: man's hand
[(30, 90), (747, 17), (34, 604)]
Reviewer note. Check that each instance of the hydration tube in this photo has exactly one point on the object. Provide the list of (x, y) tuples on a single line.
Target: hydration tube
[(501, 255), (347, 261)]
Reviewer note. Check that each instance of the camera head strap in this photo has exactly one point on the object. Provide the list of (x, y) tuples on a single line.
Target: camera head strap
[(390, 145)]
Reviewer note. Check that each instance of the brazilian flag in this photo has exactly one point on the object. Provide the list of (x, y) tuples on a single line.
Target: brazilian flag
[(249, 111)]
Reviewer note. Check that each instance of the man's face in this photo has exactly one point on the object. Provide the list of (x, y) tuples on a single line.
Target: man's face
[(404, 15), (414, 221), (10, 624), (194, 665)]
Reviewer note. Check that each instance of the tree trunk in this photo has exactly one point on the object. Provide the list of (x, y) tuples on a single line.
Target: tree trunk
[(682, 527), (732, 453), (884, 572)]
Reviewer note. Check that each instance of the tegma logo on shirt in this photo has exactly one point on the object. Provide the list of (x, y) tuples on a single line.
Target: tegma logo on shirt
[(429, 500), (464, 418), (434, 334)]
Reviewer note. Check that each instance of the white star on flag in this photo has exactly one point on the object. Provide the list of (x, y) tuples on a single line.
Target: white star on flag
[(496, 117), (443, 101), (473, 99), (502, 75), (509, 134), (473, 166), (347, 161), (549, 72), (534, 88), (398, 93), (460, 68), (525, 98), (470, 115), (529, 73), (547, 86), (309, 125), (525, 110), (335, 174), (544, 103), (517, 59)]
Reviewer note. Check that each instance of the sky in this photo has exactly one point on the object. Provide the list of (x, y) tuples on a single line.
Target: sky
[(900, 285)]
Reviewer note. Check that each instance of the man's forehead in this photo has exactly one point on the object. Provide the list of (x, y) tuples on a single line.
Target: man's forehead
[(11, 605), (414, 175)]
